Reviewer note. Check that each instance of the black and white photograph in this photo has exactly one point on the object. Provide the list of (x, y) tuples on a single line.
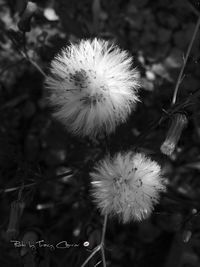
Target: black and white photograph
[(99, 133)]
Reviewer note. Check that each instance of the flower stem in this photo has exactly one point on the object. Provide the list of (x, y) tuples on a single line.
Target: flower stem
[(104, 230), (100, 246), (32, 62), (180, 77), (91, 255), (103, 256), (103, 240)]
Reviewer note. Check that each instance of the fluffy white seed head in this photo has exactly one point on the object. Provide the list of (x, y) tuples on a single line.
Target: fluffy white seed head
[(127, 186), (93, 87)]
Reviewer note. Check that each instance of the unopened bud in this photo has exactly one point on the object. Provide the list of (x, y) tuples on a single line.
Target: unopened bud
[(24, 23), (179, 122), (187, 234), (15, 214)]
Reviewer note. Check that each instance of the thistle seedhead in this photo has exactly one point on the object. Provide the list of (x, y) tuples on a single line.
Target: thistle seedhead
[(127, 186), (93, 87)]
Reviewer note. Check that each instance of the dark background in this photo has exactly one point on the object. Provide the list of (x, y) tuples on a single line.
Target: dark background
[(36, 150)]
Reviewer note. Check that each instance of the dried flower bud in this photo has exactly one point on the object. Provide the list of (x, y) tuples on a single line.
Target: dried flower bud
[(15, 214), (179, 122), (30, 237), (187, 234), (24, 23)]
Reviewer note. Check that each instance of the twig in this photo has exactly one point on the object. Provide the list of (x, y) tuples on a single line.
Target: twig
[(39, 182), (91, 255), (26, 56), (100, 246), (8, 190), (179, 80), (97, 264), (193, 8), (33, 63)]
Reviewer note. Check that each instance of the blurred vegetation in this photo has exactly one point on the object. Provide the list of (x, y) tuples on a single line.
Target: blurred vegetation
[(44, 169)]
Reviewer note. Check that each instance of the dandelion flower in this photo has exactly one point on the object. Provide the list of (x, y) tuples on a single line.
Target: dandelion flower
[(93, 87), (127, 186)]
